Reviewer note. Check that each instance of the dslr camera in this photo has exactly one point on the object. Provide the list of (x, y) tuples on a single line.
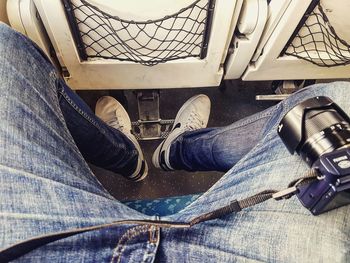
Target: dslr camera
[(318, 130)]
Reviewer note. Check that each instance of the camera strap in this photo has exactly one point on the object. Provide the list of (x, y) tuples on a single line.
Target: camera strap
[(19, 249), (237, 205)]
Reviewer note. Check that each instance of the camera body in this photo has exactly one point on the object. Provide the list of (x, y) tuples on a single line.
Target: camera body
[(332, 189), (319, 131)]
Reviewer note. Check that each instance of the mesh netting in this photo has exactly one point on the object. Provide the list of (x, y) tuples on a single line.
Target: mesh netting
[(317, 42), (100, 35)]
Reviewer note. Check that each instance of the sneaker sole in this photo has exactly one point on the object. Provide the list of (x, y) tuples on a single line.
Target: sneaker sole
[(136, 177), (144, 174)]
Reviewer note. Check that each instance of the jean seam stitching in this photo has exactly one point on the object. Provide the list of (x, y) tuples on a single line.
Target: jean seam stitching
[(123, 240), (152, 230), (82, 113), (97, 126)]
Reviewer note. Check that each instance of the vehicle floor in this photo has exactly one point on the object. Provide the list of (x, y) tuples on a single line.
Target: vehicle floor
[(233, 101)]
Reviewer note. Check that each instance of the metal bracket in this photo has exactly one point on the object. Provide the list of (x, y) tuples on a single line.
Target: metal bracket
[(283, 89), (150, 126), (275, 97), (285, 194)]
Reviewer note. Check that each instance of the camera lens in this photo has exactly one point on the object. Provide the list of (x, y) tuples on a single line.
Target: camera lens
[(314, 127)]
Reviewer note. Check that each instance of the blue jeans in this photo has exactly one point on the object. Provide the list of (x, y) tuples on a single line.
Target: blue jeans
[(46, 185)]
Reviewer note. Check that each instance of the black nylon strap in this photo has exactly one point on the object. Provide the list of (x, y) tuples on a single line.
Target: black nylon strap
[(235, 206), (19, 249)]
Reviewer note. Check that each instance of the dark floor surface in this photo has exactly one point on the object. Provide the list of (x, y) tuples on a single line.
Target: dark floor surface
[(229, 104)]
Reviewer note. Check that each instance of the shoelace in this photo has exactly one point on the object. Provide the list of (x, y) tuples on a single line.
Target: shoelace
[(115, 123), (194, 122)]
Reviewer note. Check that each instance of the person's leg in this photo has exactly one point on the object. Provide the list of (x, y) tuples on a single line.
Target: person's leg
[(209, 149), (107, 141), (282, 231), (218, 149), (272, 231), (193, 115), (106, 146), (45, 183)]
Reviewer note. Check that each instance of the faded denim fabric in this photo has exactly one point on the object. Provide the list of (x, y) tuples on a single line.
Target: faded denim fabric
[(46, 185)]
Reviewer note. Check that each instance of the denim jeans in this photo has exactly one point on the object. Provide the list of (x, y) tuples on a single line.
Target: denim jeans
[(46, 185)]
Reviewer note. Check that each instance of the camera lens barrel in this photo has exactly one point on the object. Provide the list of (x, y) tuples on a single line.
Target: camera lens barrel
[(314, 127)]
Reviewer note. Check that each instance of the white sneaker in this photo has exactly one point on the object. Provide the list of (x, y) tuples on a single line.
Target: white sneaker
[(113, 113), (193, 115)]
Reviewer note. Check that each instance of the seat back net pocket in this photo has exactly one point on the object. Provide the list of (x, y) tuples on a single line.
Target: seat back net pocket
[(316, 40), (100, 35)]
